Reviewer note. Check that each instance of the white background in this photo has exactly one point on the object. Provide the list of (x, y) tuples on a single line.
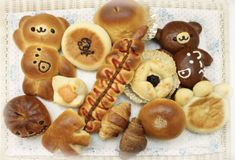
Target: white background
[(232, 81)]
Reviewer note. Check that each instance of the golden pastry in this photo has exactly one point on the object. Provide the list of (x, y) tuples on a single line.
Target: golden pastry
[(39, 64), (69, 92), (115, 121), (66, 134), (86, 45), (41, 29), (156, 77), (121, 18), (205, 106)]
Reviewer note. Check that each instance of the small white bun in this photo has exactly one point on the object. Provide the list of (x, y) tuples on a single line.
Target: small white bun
[(222, 90), (203, 89), (183, 96)]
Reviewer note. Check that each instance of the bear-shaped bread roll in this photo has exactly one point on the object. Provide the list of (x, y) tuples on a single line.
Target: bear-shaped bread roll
[(39, 64), (205, 106), (41, 28), (111, 78), (69, 91), (182, 39), (66, 134)]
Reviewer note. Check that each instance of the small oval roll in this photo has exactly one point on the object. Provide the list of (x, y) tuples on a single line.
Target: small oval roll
[(86, 45), (162, 119), (121, 18)]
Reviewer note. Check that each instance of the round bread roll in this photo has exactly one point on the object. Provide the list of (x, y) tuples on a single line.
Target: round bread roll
[(86, 45), (121, 18), (26, 116), (162, 119)]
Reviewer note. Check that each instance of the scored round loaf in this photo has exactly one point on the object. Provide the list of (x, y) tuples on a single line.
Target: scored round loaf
[(86, 45), (26, 116), (162, 119), (121, 18)]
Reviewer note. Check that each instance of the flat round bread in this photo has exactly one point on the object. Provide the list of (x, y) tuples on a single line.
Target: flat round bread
[(86, 45)]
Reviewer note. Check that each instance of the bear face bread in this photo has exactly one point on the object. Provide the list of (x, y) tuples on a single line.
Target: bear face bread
[(39, 64), (115, 121), (66, 134), (177, 35), (190, 65), (86, 45), (41, 28), (205, 107), (156, 77), (121, 18), (69, 92), (116, 72), (26, 116), (182, 40), (162, 118)]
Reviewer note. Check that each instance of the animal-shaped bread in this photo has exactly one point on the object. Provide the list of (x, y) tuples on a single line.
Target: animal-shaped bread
[(155, 77), (177, 35), (182, 40), (68, 91), (39, 64), (190, 64), (66, 134), (115, 121), (205, 106), (133, 139), (111, 78), (42, 29)]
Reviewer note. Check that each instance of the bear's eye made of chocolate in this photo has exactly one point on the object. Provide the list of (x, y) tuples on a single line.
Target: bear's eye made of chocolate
[(84, 45)]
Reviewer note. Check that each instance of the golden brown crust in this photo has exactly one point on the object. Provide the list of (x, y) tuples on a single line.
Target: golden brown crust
[(41, 88), (162, 119), (66, 133), (26, 116), (39, 64), (115, 121), (42, 28), (121, 18), (111, 80)]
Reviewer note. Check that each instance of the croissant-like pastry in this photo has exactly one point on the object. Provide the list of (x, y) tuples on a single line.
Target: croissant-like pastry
[(133, 139), (116, 72), (115, 121)]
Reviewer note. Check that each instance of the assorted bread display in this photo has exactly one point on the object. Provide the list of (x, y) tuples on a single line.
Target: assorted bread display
[(169, 83)]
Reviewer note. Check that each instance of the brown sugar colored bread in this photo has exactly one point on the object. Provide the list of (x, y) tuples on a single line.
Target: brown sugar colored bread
[(111, 78), (121, 18), (41, 28), (26, 116), (162, 119)]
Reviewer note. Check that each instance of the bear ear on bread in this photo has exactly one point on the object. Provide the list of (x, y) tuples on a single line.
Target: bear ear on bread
[(64, 22), (158, 34), (196, 26), (23, 20)]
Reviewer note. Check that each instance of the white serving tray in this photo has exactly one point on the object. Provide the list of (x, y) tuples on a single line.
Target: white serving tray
[(211, 14)]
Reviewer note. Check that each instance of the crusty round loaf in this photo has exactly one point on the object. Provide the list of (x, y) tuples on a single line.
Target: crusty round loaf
[(86, 45), (121, 18), (162, 119)]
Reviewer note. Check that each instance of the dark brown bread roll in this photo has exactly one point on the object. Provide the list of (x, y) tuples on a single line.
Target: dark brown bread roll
[(26, 116)]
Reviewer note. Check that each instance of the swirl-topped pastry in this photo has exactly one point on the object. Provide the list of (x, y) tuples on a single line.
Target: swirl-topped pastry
[(116, 72)]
